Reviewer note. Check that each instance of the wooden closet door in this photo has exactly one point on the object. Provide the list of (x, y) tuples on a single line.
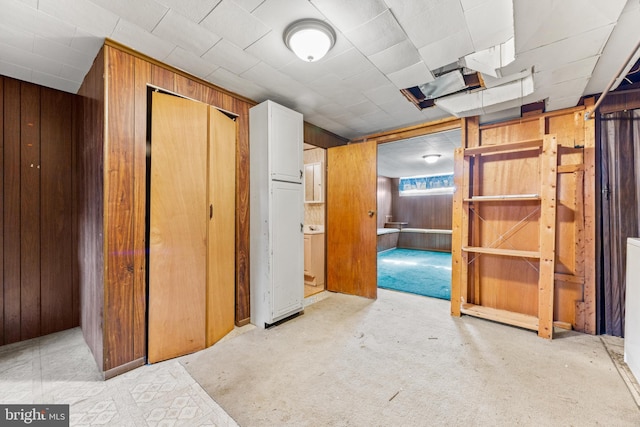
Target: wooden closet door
[(221, 230), (178, 227), (351, 219)]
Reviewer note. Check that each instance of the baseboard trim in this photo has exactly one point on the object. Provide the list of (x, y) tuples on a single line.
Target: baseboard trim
[(243, 322), (118, 370)]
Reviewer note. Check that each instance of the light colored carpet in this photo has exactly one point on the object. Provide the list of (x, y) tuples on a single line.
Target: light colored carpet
[(402, 360)]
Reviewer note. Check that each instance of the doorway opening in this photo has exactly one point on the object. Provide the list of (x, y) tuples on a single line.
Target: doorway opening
[(415, 200)]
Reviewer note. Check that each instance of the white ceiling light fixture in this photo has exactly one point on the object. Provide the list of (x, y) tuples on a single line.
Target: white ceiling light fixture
[(310, 39), (431, 158)]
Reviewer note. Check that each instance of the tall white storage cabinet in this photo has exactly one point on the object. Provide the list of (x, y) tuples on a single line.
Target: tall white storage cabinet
[(277, 213)]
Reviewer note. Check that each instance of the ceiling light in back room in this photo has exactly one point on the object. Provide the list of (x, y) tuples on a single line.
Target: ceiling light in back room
[(431, 158), (309, 39)]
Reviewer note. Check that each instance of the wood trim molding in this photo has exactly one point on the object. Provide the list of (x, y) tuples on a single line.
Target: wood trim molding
[(118, 370), (411, 131)]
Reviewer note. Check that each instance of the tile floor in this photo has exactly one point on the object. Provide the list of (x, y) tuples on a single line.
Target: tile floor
[(59, 369)]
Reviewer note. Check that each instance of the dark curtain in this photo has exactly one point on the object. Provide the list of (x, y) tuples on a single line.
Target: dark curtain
[(620, 175)]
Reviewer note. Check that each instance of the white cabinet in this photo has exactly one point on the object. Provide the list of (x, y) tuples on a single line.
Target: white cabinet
[(277, 213)]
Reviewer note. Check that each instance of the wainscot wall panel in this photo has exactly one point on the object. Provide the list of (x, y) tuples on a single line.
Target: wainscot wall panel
[(39, 295)]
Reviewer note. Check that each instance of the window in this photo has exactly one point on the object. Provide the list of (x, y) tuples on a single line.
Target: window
[(424, 185)]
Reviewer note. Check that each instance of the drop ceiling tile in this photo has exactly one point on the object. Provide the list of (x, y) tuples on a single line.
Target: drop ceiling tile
[(13, 55), (308, 101), (19, 15), (15, 71), (87, 43), (553, 104), (144, 13), (249, 5), (81, 13), (472, 4), (61, 53), (190, 62), (622, 39), (231, 57), (364, 108), (271, 50), (578, 69), (555, 55), (237, 84), (143, 41), (366, 80), (447, 50), (278, 14), (347, 15), (543, 22), (70, 73), (273, 79), (55, 82), (177, 29), (194, 10), (396, 57), (235, 24), (490, 24), (303, 71), (428, 22), (16, 37), (376, 35), (384, 94), (348, 63), (411, 76)]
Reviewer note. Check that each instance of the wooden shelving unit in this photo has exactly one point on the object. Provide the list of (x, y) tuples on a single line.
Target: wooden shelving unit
[(467, 231)]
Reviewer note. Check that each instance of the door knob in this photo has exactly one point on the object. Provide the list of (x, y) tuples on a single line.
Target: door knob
[(371, 214)]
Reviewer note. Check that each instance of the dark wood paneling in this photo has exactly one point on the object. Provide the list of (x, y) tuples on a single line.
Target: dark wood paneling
[(91, 207), (75, 197), (1, 210), (11, 211), (118, 306), (29, 211), (243, 309), (434, 211), (384, 200), (56, 212), (142, 76), (37, 211), (319, 137), (162, 78), (425, 241)]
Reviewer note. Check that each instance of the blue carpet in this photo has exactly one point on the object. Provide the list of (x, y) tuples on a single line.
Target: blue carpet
[(418, 272)]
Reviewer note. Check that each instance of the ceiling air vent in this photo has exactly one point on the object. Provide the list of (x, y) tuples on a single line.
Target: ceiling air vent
[(447, 82)]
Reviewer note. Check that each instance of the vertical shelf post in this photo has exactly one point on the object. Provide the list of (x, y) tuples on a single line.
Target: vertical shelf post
[(548, 185)]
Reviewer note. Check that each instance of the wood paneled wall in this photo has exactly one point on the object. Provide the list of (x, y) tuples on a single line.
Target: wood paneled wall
[(384, 200), (432, 211), (113, 167), (37, 248), (90, 190)]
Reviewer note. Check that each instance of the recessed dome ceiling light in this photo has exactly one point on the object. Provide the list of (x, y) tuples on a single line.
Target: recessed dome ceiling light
[(309, 39), (431, 158)]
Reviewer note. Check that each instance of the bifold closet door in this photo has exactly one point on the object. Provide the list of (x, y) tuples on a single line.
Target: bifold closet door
[(178, 227), (222, 226)]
